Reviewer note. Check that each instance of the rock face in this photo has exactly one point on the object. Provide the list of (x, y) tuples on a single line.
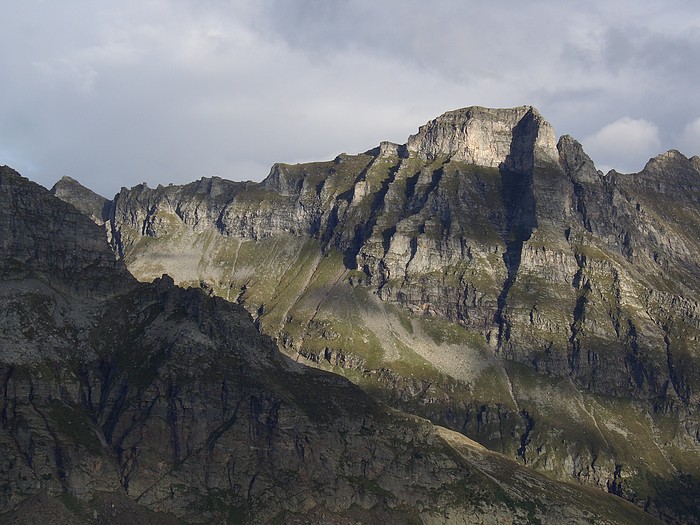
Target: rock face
[(495, 138), (482, 276), (148, 403), (59, 242), (86, 200)]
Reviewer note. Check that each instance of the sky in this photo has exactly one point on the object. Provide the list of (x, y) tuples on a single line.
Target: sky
[(118, 92)]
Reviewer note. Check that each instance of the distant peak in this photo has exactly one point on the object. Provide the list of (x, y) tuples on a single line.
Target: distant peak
[(514, 138), (84, 199), (666, 159), (574, 160), (67, 183), (672, 154)]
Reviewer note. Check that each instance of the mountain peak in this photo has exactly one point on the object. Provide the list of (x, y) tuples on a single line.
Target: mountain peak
[(672, 171), (35, 239), (673, 163), (670, 157), (511, 138), (84, 199), (574, 160)]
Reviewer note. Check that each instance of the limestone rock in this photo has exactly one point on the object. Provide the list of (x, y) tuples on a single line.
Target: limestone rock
[(488, 137), (165, 405), (481, 276)]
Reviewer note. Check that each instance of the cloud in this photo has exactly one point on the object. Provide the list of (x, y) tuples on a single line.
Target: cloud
[(690, 138), (121, 91), (625, 144)]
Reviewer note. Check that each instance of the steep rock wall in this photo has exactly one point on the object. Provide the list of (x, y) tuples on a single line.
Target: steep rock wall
[(573, 293), (155, 404)]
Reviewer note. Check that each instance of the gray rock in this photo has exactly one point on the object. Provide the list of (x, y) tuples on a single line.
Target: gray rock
[(156, 403), (540, 301), (495, 138)]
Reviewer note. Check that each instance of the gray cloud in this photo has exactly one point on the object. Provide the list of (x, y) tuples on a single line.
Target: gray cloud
[(690, 136), (119, 92), (624, 139)]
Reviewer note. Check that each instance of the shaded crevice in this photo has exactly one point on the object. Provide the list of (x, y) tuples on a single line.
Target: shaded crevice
[(116, 241), (525, 437), (319, 187), (615, 485), (147, 226), (250, 490), (85, 392), (415, 202), (128, 461), (364, 231), (518, 198), (136, 421), (616, 312), (6, 402), (434, 182), (128, 466), (114, 235), (220, 224), (627, 248), (223, 428), (521, 221), (501, 430), (511, 259), (583, 286), (579, 317), (106, 372), (118, 407), (331, 225), (411, 183), (386, 238), (414, 249), (480, 419), (579, 195), (341, 200)]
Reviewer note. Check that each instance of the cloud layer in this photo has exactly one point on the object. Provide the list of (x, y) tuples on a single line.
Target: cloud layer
[(118, 92), (623, 141)]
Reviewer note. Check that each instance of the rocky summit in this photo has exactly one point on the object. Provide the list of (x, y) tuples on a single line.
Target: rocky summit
[(482, 283), (494, 138)]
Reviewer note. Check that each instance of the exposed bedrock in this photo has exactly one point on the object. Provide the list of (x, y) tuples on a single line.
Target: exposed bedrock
[(482, 264)]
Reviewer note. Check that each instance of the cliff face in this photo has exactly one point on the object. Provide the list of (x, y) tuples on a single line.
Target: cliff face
[(480, 275), (494, 138), (148, 403), (53, 238), (84, 199)]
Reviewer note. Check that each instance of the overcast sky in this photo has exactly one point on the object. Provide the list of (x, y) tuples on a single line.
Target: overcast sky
[(118, 92)]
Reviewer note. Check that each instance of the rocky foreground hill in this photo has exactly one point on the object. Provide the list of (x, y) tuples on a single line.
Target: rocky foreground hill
[(126, 402), (483, 275)]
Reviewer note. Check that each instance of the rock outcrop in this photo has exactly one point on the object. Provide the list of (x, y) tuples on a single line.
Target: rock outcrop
[(86, 200), (480, 275), (154, 404), (495, 138), (55, 239)]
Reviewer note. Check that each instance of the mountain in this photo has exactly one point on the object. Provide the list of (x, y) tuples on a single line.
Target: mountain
[(127, 402), (483, 275)]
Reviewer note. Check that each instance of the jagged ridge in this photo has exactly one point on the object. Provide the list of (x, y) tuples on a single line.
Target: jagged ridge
[(154, 401), (574, 292)]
